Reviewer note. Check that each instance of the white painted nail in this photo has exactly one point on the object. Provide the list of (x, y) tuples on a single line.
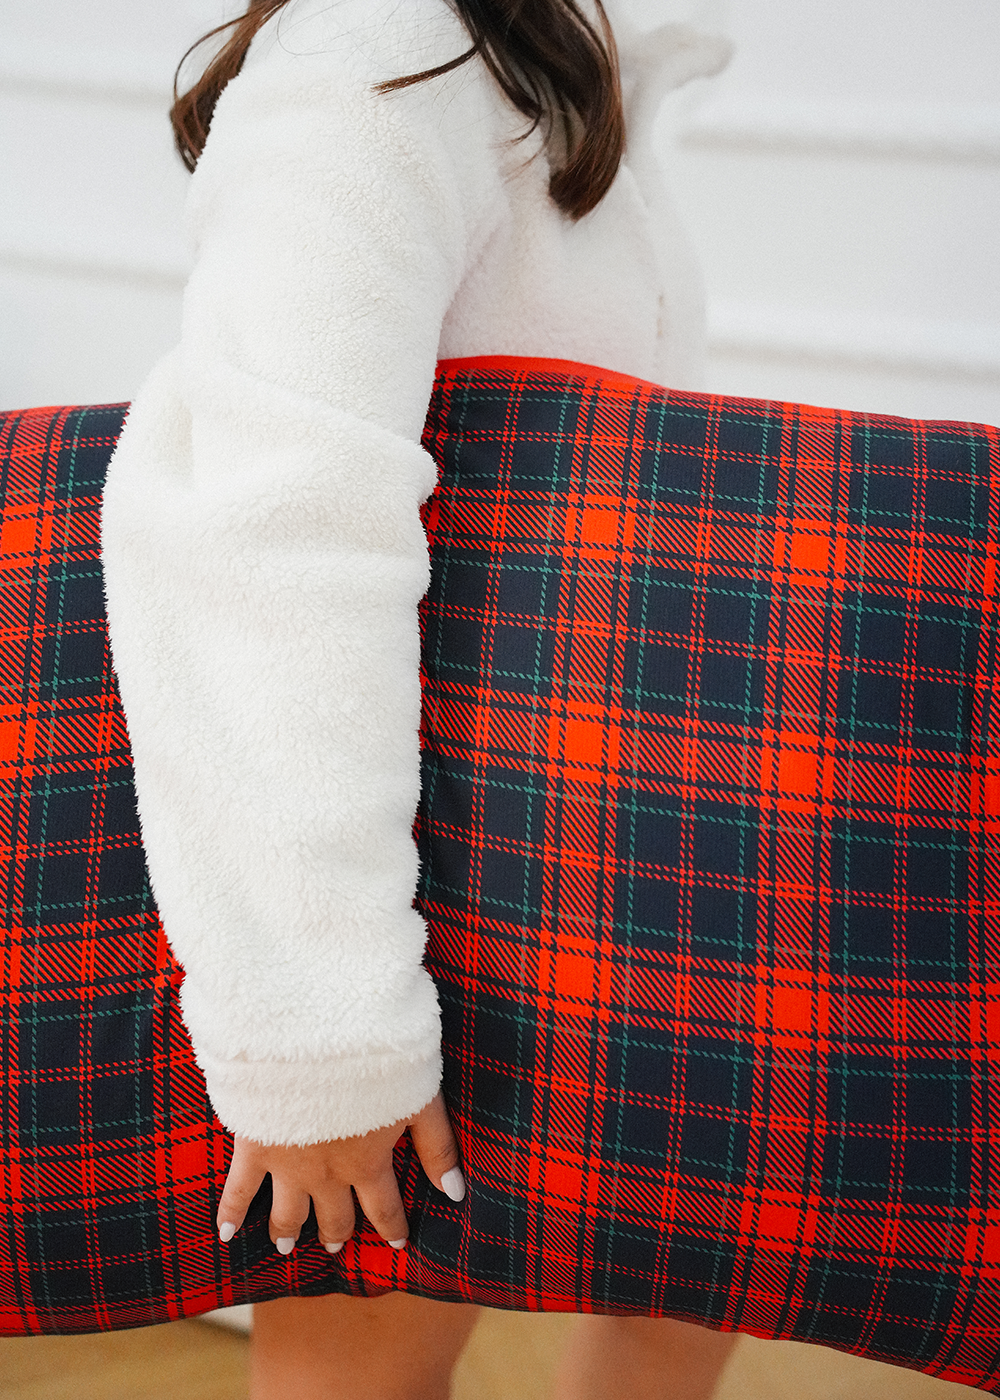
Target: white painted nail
[(453, 1184), (398, 1244), (334, 1248), (284, 1246), (226, 1231)]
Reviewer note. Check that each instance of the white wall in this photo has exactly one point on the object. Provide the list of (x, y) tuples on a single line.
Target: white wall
[(92, 260), (843, 185), (842, 182)]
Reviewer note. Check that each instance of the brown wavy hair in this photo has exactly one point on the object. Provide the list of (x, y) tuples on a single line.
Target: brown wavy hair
[(553, 64)]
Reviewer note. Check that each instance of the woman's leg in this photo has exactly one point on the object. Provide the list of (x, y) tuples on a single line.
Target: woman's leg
[(620, 1358), (398, 1347)]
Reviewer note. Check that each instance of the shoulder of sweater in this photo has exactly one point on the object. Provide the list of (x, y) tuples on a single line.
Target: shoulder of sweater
[(654, 62), (335, 53), (306, 99), (374, 40)]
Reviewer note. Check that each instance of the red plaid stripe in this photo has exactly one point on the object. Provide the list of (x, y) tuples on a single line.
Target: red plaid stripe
[(709, 828)]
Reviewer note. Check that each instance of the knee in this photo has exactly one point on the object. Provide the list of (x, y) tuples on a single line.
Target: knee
[(666, 1336)]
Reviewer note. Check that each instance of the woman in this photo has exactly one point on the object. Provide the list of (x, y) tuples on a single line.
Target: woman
[(385, 183)]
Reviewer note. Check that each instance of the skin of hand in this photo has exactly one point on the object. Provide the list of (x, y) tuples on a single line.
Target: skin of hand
[(325, 1172)]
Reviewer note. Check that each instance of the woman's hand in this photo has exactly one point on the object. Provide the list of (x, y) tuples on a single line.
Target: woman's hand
[(326, 1171)]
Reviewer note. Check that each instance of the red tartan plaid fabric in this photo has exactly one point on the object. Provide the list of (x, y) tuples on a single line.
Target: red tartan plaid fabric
[(710, 825)]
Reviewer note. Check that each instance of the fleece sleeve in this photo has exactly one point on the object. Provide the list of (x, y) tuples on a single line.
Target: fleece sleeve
[(264, 559)]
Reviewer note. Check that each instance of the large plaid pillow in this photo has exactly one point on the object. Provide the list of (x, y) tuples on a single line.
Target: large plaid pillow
[(711, 840)]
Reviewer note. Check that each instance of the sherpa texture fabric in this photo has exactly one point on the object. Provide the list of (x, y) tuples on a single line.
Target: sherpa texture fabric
[(262, 543), (710, 830)]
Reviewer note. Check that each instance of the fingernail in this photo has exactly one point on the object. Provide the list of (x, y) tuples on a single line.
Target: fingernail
[(398, 1244), (284, 1246), (226, 1231), (334, 1248), (453, 1184)]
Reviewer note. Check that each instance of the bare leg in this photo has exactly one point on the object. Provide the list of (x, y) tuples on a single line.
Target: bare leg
[(622, 1358), (398, 1347)]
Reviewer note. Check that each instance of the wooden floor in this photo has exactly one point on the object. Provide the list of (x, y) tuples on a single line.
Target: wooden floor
[(511, 1357)]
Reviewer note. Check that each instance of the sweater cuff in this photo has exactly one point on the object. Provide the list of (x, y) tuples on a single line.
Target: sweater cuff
[(300, 1102)]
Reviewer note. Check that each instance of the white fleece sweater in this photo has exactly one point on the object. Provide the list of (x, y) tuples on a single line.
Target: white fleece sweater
[(262, 545)]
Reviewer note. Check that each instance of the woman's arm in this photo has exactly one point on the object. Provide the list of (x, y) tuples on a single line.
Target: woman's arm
[(264, 559)]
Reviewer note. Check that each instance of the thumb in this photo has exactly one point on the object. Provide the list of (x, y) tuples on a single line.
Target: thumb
[(435, 1145)]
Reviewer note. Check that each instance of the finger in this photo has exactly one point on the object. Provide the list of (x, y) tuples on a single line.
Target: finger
[(435, 1145), (334, 1217), (242, 1184), (380, 1201), (289, 1212)]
